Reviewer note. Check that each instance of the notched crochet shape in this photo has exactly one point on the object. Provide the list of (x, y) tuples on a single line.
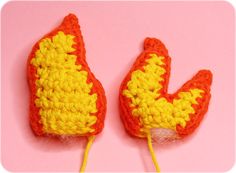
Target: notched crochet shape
[(147, 108), (66, 98)]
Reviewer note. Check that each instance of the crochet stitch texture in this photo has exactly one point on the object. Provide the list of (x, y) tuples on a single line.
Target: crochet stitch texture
[(148, 111), (66, 98)]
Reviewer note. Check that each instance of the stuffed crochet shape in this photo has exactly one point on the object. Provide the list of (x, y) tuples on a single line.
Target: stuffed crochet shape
[(148, 111), (66, 99)]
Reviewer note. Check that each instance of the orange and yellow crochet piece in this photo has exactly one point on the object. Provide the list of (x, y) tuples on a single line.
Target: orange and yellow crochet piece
[(66, 98), (148, 111)]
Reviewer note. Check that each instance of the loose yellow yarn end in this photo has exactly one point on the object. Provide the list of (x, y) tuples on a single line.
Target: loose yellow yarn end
[(84, 163), (149, 139)]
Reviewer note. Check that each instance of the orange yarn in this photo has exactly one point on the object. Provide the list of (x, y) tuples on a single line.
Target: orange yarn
[(69, 26), (202, 80)]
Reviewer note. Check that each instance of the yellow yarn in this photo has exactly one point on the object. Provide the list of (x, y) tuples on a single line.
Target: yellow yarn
[(149, 139), (63, 94), (155, 111), (84, 163)]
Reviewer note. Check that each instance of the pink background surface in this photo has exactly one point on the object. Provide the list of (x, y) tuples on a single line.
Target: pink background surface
[(198, 35)]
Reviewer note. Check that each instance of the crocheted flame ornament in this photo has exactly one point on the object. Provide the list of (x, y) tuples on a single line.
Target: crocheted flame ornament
[(66, 99), (148, 111)]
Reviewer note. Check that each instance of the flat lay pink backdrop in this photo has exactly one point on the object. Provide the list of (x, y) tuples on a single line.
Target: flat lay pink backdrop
[(197, 34)]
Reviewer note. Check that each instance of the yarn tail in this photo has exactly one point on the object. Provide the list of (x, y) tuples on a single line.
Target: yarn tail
[(84, 163), (149, 140)]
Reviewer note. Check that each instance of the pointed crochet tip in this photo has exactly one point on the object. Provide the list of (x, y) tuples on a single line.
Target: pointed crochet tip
[(70, 25), (153, 44), (204, 76), (70, 19)]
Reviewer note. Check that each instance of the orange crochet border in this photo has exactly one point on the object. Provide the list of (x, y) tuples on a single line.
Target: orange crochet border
[(201, 80), (71, 26)]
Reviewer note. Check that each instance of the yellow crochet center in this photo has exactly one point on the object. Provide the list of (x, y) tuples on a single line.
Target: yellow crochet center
[(154, 111), (64, 98)]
